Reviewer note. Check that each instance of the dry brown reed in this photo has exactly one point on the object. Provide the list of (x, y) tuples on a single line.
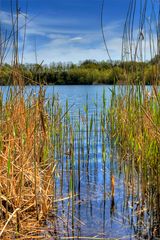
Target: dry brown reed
[(26, 166)]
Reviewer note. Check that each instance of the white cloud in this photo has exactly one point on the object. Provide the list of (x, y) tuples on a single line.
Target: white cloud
[(76, 39)]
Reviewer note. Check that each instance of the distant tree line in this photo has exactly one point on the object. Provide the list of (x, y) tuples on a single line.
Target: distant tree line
[(87, 72)]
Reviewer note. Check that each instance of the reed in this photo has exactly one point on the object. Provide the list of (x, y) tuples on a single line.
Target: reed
[(136, 123), (135, 132), (26, 164)]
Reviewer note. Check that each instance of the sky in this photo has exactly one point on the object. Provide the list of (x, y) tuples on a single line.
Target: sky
[(67, 30)]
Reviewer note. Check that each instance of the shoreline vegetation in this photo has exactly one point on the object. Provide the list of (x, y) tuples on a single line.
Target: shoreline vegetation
[(89, 72), (134, 123), (26, 165)]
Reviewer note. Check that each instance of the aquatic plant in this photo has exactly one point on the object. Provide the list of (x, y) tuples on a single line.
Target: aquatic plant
[(27, 164), (134, 125)]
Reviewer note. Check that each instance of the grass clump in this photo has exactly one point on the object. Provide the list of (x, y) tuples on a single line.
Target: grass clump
[(135, 123), (26, 164)]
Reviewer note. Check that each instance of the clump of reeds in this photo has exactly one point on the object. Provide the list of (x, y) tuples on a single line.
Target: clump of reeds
[(134, 124), (135, 118), (26, 165)]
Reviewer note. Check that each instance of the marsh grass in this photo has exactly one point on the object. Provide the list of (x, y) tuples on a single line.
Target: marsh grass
[(26, 164), (30, 125), (134, 125)]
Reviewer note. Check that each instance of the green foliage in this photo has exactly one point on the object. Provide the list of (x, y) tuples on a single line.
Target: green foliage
[(134, 124)]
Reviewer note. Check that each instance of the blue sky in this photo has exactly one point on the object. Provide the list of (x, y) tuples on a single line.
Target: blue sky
[(69, 30)]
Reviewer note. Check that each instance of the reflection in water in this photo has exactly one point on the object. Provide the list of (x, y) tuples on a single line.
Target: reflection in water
[(101, 192)]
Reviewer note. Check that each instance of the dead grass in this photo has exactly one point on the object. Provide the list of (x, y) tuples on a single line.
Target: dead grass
[(26, 166)]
